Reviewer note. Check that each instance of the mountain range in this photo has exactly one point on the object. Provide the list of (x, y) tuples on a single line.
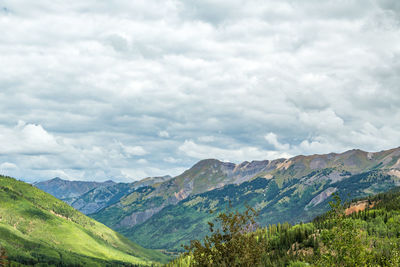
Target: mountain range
[(164, 213), (89, 197), (68, 191)]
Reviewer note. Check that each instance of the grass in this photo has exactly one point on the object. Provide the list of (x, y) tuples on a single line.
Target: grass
[(36, 227)]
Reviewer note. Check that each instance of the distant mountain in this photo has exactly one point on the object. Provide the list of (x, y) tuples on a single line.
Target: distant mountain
[(90, 197), (293, 202), (294, 189), (35, 227), (151, 180), (69, 190), (206, 175), (104, 196)]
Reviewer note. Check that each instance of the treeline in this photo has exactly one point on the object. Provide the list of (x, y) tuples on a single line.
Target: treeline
[(369, 237), (50, 257), (17, 190)]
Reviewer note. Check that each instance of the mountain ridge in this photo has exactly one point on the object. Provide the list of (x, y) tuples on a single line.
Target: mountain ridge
[(78, 193), (310, 180), (67, 190)]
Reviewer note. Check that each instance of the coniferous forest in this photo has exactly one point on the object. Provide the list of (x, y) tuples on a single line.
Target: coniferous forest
[(344, 236)]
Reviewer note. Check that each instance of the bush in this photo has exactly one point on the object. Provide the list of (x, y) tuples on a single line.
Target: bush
[(235, 244)]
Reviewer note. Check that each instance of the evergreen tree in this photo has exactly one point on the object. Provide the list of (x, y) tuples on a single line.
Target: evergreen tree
[(345, 243)]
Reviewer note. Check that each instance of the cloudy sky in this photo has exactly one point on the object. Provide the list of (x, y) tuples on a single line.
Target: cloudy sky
[(97, 90)]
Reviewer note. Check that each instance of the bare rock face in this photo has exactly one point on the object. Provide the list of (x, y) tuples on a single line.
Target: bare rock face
[(370, 155), (246, 170), (333, 176), (181, 195), (321, 197), (395, 172), (138, 217)]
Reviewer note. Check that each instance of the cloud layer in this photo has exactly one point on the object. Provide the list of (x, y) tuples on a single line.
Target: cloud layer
[(96, 90)]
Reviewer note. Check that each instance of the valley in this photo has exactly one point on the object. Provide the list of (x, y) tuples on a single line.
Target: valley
[(167, 214)]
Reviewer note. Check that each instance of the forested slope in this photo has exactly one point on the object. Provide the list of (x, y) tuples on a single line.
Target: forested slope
[(368, 236)]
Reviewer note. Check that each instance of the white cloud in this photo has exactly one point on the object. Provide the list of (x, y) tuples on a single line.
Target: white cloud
[(273, 140), (142, 161), (171, 160), (133, 174), (318, 145), (28, 139), (322, 120), (197, 151), (130, 174), (206, 139), (8, 166), (163, 134), (134, 150), (103, 85)]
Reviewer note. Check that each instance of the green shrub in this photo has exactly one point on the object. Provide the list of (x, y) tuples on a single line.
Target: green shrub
[(234, 244)]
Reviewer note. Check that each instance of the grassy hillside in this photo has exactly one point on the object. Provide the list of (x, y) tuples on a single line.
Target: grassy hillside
[(347, 235), (37, 227)]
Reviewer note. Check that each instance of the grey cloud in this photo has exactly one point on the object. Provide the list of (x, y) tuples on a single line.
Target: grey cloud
[(128, 89)]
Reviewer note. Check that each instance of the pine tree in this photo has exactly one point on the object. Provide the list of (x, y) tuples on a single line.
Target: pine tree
[(344, 242)]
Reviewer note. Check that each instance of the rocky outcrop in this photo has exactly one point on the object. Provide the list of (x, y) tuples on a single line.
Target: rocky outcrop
[(321, 197), (138, 217), (246, 170)]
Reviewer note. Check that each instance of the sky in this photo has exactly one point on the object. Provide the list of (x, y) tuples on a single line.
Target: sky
[(122, 90)]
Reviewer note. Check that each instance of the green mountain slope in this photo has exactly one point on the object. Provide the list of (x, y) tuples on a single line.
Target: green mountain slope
[(365, 232), (293, 202), (292, 189), (140, 205), (37, 227)]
